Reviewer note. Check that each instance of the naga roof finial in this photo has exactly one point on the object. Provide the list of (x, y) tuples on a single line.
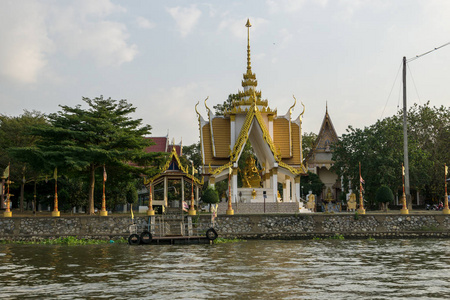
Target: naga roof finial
[(207, 105), (301, 114)]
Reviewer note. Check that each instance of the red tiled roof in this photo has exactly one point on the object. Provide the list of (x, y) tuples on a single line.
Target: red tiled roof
[(160, 144)]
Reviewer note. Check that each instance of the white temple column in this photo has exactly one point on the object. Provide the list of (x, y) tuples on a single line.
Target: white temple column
[(297, 188), (212, 181), (274, 185), (287, 189), (232, 130), (234, 185)]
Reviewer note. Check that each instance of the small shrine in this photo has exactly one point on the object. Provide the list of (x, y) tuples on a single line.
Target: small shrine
[(320, 161), (276, 141), (176, 179)]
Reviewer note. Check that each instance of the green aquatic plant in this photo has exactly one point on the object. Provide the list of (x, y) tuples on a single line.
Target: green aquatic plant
[(223, 241), (337, 237)]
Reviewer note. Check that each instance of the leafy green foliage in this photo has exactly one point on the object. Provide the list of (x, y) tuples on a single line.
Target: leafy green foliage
[(226, 105), (312, 182), (210, 195), (308, 140), (15, 132), (379, 148), (384, 195), (84, 139)]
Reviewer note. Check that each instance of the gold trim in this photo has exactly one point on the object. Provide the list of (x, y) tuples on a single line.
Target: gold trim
[(243, 135), (185, 170), (220, 169)]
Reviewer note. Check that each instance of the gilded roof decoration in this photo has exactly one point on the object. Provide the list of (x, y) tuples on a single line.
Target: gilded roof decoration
[(296, 171), (220, 169), (183, 169), (243, 135)]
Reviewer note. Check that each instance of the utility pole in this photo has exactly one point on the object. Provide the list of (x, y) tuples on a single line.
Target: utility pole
[(405, 139)]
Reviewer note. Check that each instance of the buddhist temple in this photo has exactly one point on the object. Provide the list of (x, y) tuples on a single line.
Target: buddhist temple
[(276, 141), (320, 160)]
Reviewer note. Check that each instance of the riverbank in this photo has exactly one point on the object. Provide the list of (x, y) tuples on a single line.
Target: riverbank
[(254, 226)]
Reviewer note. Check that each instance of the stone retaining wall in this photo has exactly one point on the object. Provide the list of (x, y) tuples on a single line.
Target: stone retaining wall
[(263, 226), (260, 207)]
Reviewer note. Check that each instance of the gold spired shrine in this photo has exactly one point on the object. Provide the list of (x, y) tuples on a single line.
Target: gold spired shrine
[(276, 141)]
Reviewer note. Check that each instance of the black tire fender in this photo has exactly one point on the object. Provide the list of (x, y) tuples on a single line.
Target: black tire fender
[(146, 237), (211, 234), (134, 239)]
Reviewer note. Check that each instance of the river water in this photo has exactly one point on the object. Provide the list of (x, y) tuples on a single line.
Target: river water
[(309, 269)]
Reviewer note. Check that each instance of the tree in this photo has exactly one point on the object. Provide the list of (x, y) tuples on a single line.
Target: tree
[(210, 195), (312, 182), (226, 105), (15, 132), (84, 139), (379, 148), (192, 153), (308, 140), (384, 196)]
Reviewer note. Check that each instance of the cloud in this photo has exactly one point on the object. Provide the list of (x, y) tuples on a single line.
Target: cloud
[(286, 38), (162, 118), (83, 30), (33, 32), (24, 38), (144, 23), (285, 6), (185, 17)]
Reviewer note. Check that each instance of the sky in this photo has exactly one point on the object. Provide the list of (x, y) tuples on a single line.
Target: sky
[(165, 56)]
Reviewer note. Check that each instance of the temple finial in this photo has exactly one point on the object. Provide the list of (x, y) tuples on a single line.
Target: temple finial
[(249, 66)]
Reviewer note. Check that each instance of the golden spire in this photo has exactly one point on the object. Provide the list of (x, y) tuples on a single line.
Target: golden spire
[(249, 65)]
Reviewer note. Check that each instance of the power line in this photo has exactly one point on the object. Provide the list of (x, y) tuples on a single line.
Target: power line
[(418, 56), (393, 84), (414, 83)]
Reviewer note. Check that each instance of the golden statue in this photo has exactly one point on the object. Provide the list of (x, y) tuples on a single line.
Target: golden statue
[(351, 204), (311, 204), (250, 175), (329, 196)]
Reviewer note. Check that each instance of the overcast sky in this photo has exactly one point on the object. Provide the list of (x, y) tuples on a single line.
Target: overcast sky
[(164, 56)]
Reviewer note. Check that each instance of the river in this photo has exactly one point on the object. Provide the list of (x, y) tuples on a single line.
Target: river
[(308, 269)]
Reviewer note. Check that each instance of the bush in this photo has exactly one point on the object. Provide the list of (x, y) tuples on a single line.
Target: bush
[(210, 196), (384, 195)]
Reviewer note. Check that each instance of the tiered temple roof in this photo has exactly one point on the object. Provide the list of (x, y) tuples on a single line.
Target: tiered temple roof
[(275, 139)]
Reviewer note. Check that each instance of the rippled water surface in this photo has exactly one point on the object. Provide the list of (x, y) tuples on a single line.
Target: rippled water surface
[(324, 269)]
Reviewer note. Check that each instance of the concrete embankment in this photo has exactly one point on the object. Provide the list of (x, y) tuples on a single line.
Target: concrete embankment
[(261, 226)]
